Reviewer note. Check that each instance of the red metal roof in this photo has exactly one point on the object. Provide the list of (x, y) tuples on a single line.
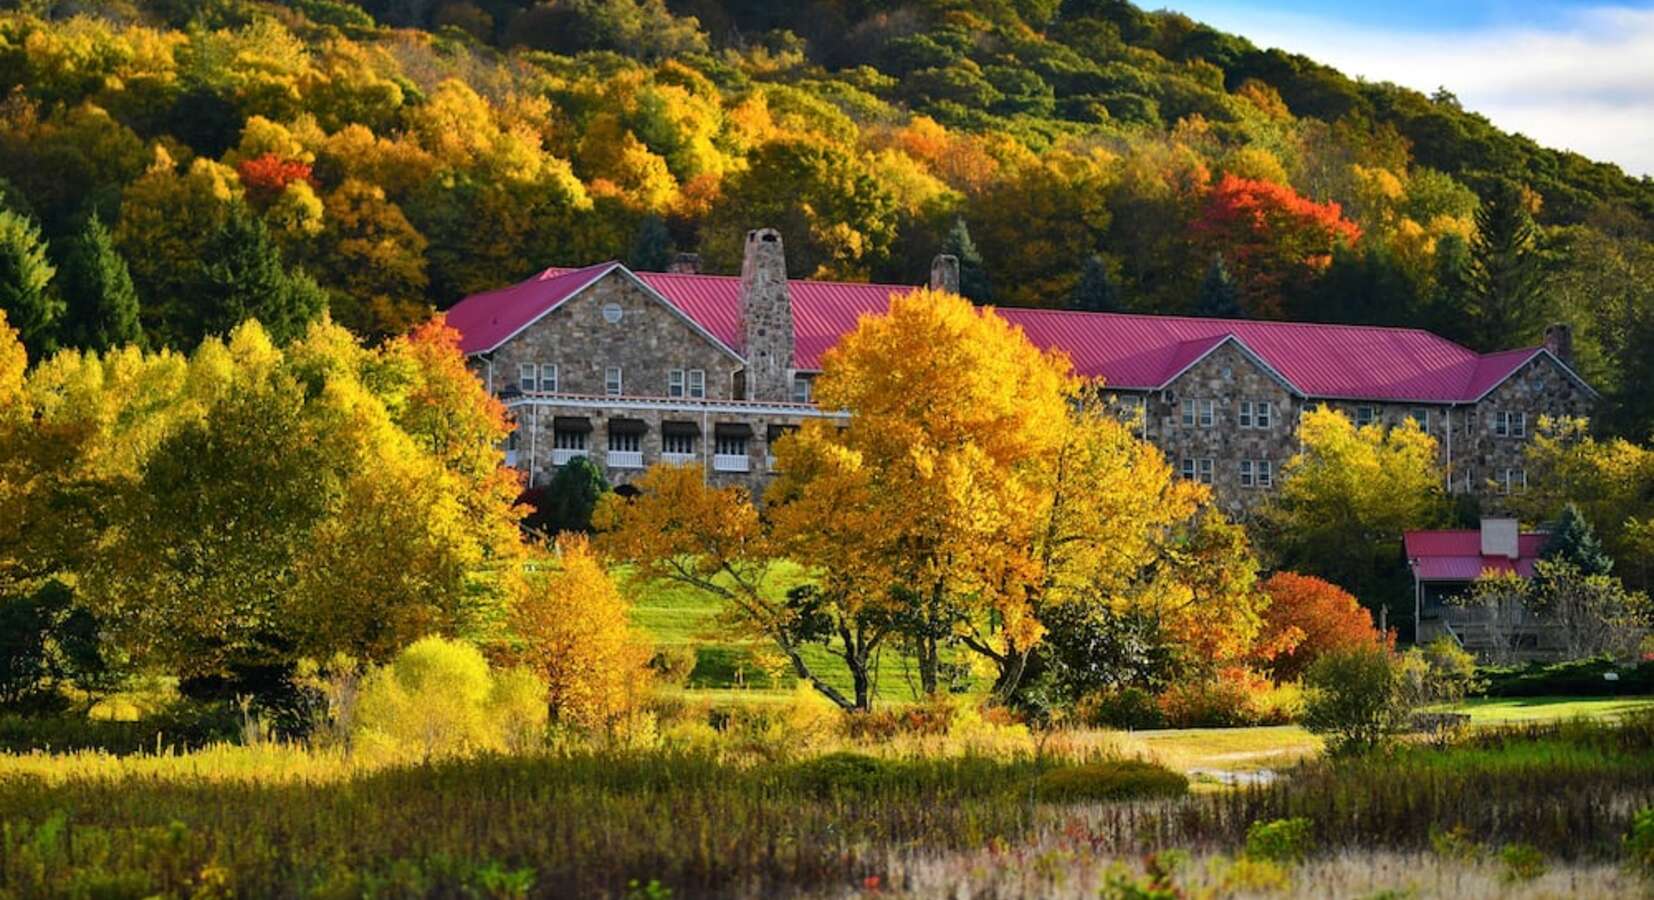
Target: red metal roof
[(1457, 555), (1141, 352)]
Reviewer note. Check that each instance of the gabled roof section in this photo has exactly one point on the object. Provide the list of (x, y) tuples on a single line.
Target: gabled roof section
[(487, 320), (1127, 351)]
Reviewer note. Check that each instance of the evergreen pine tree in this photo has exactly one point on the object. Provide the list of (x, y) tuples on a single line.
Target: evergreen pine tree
[(242, 277), (1573, 540), (101, 304), (651, 249), (1219, 294), (1504, 300), (1095, 291), (567, 501), (26, 294), (973, 279)]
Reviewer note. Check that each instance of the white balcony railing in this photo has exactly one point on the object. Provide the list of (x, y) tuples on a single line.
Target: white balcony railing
[(677, 459), (625, 459), (561, 456), (731, 462)]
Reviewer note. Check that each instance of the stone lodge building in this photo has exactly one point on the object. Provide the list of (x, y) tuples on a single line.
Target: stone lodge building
[(634, 368)]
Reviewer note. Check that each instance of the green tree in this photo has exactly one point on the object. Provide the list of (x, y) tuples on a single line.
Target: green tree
[(651, 249), (26, 295), (567, 501), (1095, 291), (101, 303), (1219, 294), (242, 277), (1574, 541), (1505, 301)]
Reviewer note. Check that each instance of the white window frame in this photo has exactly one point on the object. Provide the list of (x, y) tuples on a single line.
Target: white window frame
[(678, 443), (1207, 469), (528, 379), (697, 384), (1511, 424), (1245, 473), (625, 442), (1421, 415), (1514, 480), (568, 439), (1257, 414), (729, 446), (804, 389), (1265, 475), (676, 384), (613, 384), (1187, 468), (1365, 415), (1199, 413)]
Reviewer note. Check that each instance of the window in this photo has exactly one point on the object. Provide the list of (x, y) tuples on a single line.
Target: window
[(548, 378), (568, 439), (681, 443), (1421, 416), (1200, 413), (1513, 480), (730, 445), (1510, 424), (803, 389), (1256, 413), (1365, 415), (611, 381), (625, 442), (1257, 473), (526, 380), (675, 383), (1198, 470), (697, 383)]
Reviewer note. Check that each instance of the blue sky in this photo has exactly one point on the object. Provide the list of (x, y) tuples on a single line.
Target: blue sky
[(1571, 74)]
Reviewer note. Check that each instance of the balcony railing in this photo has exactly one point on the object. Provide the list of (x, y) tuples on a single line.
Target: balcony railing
[(511, 457), (677, 459), (731, 462), (625, 459), (561, 456)]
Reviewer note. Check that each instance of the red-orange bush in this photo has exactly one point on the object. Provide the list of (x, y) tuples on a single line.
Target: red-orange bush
[(1308, 617), (266, 176)]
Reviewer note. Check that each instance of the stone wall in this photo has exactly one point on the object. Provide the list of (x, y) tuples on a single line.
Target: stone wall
[(1539, 389), (767, 317), (649, 340)]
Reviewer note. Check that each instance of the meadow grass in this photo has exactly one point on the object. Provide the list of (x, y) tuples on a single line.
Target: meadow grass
[(927, 819), (1501, 710)]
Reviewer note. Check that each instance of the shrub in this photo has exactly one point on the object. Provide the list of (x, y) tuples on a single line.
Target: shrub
[(1279, 840), (837, 773), (1356, 697), (1575, 678), (1639, 844), (1522, 862), (1125, 707), (1308, 617), (1122, 779), (1449, 672), (674, 663), (1456, 843), (1236, 697), (438, 698)]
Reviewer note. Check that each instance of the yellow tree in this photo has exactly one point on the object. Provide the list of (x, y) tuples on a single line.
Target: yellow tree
[(1347, 496), (570, 626), (953, 415), (680, 530)]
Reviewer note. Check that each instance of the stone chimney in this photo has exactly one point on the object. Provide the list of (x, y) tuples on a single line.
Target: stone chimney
[(767, 317), (1499, 538), (1559, 339), (944, 273), (685, 264)]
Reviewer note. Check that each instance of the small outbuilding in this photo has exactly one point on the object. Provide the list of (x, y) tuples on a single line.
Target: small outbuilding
[(1446, 563)]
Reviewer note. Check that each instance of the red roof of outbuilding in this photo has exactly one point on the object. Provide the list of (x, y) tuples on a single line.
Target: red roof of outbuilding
[(1457, 555), (1139, 352)]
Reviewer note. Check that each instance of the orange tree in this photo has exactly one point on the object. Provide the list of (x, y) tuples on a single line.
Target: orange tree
[(1308, 617), (1277, 239)]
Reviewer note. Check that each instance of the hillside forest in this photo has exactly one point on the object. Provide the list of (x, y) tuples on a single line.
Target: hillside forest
[(170, 168)]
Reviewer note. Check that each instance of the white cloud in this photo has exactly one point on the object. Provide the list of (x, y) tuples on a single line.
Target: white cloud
[(1585, 83)]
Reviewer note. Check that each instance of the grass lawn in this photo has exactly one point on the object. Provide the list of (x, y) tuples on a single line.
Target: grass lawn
[(727, 667), (1493, 710)]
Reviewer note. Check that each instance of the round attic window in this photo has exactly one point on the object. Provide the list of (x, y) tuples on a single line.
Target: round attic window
[(611, 313)]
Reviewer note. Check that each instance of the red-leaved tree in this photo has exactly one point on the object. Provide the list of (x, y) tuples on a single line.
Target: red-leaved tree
[(1308, 617), (1275, 240), (268, 175)]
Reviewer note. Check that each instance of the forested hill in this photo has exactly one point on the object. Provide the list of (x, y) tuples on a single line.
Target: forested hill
[(173, 166)]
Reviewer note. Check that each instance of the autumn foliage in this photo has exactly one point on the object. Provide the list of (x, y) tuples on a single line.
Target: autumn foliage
[(1275, 238), (267, 175), (1308, 617)]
